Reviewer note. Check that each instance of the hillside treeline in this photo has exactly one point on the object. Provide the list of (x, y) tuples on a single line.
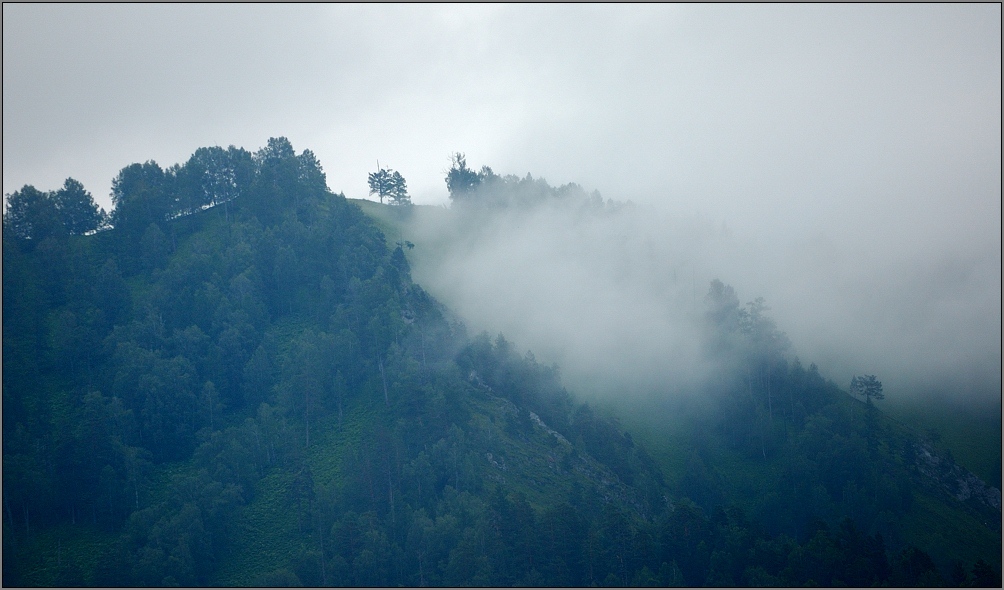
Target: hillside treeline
[(234, 357)]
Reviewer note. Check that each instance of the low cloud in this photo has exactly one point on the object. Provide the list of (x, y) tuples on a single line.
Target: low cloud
[(615, 296)]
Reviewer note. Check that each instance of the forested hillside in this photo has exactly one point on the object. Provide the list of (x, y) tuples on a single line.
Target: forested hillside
[(231, 379)]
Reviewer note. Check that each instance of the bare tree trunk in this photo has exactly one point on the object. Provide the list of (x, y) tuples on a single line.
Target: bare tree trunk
[(383, 377), (320, 538), (758, 414), (306, 412), (421, 332), (763, 444), (390, 493), (369, 480), (257, 448), (10, 516), (770, 406)]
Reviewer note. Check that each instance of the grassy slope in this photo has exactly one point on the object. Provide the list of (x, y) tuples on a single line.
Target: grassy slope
[(426, 226), (266, 535), (949, 533), (972, 435)]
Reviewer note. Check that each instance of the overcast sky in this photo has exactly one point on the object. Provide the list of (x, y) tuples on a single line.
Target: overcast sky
[(861, 142)]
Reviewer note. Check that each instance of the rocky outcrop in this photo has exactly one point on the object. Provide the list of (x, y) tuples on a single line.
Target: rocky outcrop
[(550, 430), (958, 482)]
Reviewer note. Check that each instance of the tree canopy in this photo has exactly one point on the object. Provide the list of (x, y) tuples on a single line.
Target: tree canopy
[(31, 214), (868, 387), (487, 190), (461, 180), (390, 184)]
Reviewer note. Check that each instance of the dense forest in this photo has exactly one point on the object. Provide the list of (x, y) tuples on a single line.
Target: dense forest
[(231, 379)]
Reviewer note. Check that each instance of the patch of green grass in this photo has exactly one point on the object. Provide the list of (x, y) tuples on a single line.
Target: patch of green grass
[(428, 227), (972, 435), (948, 533), (388, 219), (529, 469), (265, 536), (158, 488), (333, 441)]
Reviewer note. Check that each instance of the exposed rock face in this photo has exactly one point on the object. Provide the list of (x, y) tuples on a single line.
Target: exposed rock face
[(549, 430), (958, 482)]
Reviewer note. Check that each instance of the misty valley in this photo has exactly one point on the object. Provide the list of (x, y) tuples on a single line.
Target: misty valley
[(238, 377)]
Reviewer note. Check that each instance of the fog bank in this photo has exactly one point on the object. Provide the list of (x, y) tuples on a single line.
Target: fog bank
[(615, 296)]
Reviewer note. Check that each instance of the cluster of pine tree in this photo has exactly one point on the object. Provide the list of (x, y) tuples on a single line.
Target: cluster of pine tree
[(484, 189), (146, 343)]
